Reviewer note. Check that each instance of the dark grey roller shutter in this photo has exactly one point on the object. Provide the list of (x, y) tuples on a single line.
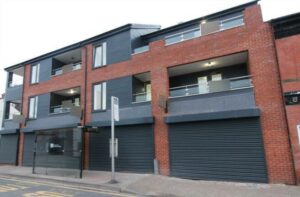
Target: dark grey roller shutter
[(8, 148), (136, 150), (28, 149), (230, 150)]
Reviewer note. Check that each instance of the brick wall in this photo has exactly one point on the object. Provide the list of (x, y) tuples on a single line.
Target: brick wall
[(254, 37), (288, 52)]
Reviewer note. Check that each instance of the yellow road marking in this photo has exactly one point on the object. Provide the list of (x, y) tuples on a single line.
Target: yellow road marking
[(18, 186), (46, 194), (4, 188), (65, 186)]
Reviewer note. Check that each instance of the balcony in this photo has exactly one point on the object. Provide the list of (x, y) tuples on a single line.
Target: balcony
[(12, 108), (207, 27), (212, 86), (69, 67), (15, 77), (141, 88), (64, 100), (217, 85), (66, 62)]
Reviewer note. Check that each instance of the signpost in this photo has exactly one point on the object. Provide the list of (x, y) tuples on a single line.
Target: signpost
[(113, 144)]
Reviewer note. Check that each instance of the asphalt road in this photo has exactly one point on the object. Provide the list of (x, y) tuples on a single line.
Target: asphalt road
[(15, 186)]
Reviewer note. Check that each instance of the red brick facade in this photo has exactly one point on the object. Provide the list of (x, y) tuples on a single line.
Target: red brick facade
[(255, 37), (288, 50)]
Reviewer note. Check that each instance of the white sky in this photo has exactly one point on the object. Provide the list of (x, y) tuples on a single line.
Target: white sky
[(29, 28)]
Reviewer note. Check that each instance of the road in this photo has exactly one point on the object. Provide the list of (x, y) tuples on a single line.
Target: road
[(11, 186)]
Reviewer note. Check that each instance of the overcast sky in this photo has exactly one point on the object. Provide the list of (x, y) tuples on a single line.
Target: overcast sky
[(29, 28)]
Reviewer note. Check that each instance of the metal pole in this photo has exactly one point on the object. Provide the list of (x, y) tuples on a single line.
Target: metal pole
[(112, 143)]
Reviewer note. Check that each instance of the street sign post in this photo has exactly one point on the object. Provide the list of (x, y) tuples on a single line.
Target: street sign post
[(114, 117)]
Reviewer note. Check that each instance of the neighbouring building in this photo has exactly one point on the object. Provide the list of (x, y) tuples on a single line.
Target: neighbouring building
[(287, 39), (199, 100), (1, 110)]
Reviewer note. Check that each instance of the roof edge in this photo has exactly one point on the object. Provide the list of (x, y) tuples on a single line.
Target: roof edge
[(84, 42)]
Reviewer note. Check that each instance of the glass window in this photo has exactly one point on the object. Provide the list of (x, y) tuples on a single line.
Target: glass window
[(173, 39), (100, 96), (33, 102), (35, 72), (232, 22), (100, 55)]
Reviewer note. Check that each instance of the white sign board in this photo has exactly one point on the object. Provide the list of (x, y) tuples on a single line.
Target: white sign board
[(115, 108), (298, 130)]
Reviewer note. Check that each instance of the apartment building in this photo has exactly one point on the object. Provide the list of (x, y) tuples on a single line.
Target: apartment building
[(198, 100)]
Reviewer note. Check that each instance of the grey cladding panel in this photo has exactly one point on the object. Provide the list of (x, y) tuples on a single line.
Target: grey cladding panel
[(9, 124), (214, 102), (8, 148), (45, 69), (135, 149), (14, 93), (121, 88), (228, 150), (43, 105)]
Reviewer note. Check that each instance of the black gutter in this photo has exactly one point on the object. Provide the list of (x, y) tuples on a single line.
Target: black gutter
[(83, 42), (197, 20)]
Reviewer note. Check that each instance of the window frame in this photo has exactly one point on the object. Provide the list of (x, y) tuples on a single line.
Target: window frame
[(35, 107), (37, 74), (103, 97), (103, 46)]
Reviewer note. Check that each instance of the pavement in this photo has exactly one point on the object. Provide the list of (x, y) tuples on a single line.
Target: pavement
[(156, 185)]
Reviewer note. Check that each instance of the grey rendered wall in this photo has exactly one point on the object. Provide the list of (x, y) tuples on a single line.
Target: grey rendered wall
[(213, 102), (122, 88)]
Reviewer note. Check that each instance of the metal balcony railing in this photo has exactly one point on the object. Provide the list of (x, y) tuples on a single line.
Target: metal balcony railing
[(141, 97), (212, 86)]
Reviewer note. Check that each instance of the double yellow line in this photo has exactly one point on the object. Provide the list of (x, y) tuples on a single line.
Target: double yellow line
[(66, 186)]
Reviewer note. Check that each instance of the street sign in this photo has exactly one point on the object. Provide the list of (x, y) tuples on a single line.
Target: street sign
[(115, 108)]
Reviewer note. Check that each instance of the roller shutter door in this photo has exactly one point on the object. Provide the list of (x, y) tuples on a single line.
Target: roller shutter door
[(28, 149), (8, 148), (136, 151), (229, 150)]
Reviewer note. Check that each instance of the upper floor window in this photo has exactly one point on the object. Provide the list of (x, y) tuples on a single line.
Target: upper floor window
[(99, 96), (100, 55), (35, 73), (33, 103)]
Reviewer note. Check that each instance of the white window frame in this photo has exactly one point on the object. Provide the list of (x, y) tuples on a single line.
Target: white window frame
[(99, 96), (35, 76), (32, 112), (103, 55)]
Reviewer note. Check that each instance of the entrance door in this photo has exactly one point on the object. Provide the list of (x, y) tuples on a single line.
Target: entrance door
[(202, 85)]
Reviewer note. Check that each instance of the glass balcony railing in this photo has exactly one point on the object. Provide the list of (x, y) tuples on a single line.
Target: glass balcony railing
[(141, 97), (212, 86), (59, 109), (141, 49), (59, 71), (15, 83), (187, 35)]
